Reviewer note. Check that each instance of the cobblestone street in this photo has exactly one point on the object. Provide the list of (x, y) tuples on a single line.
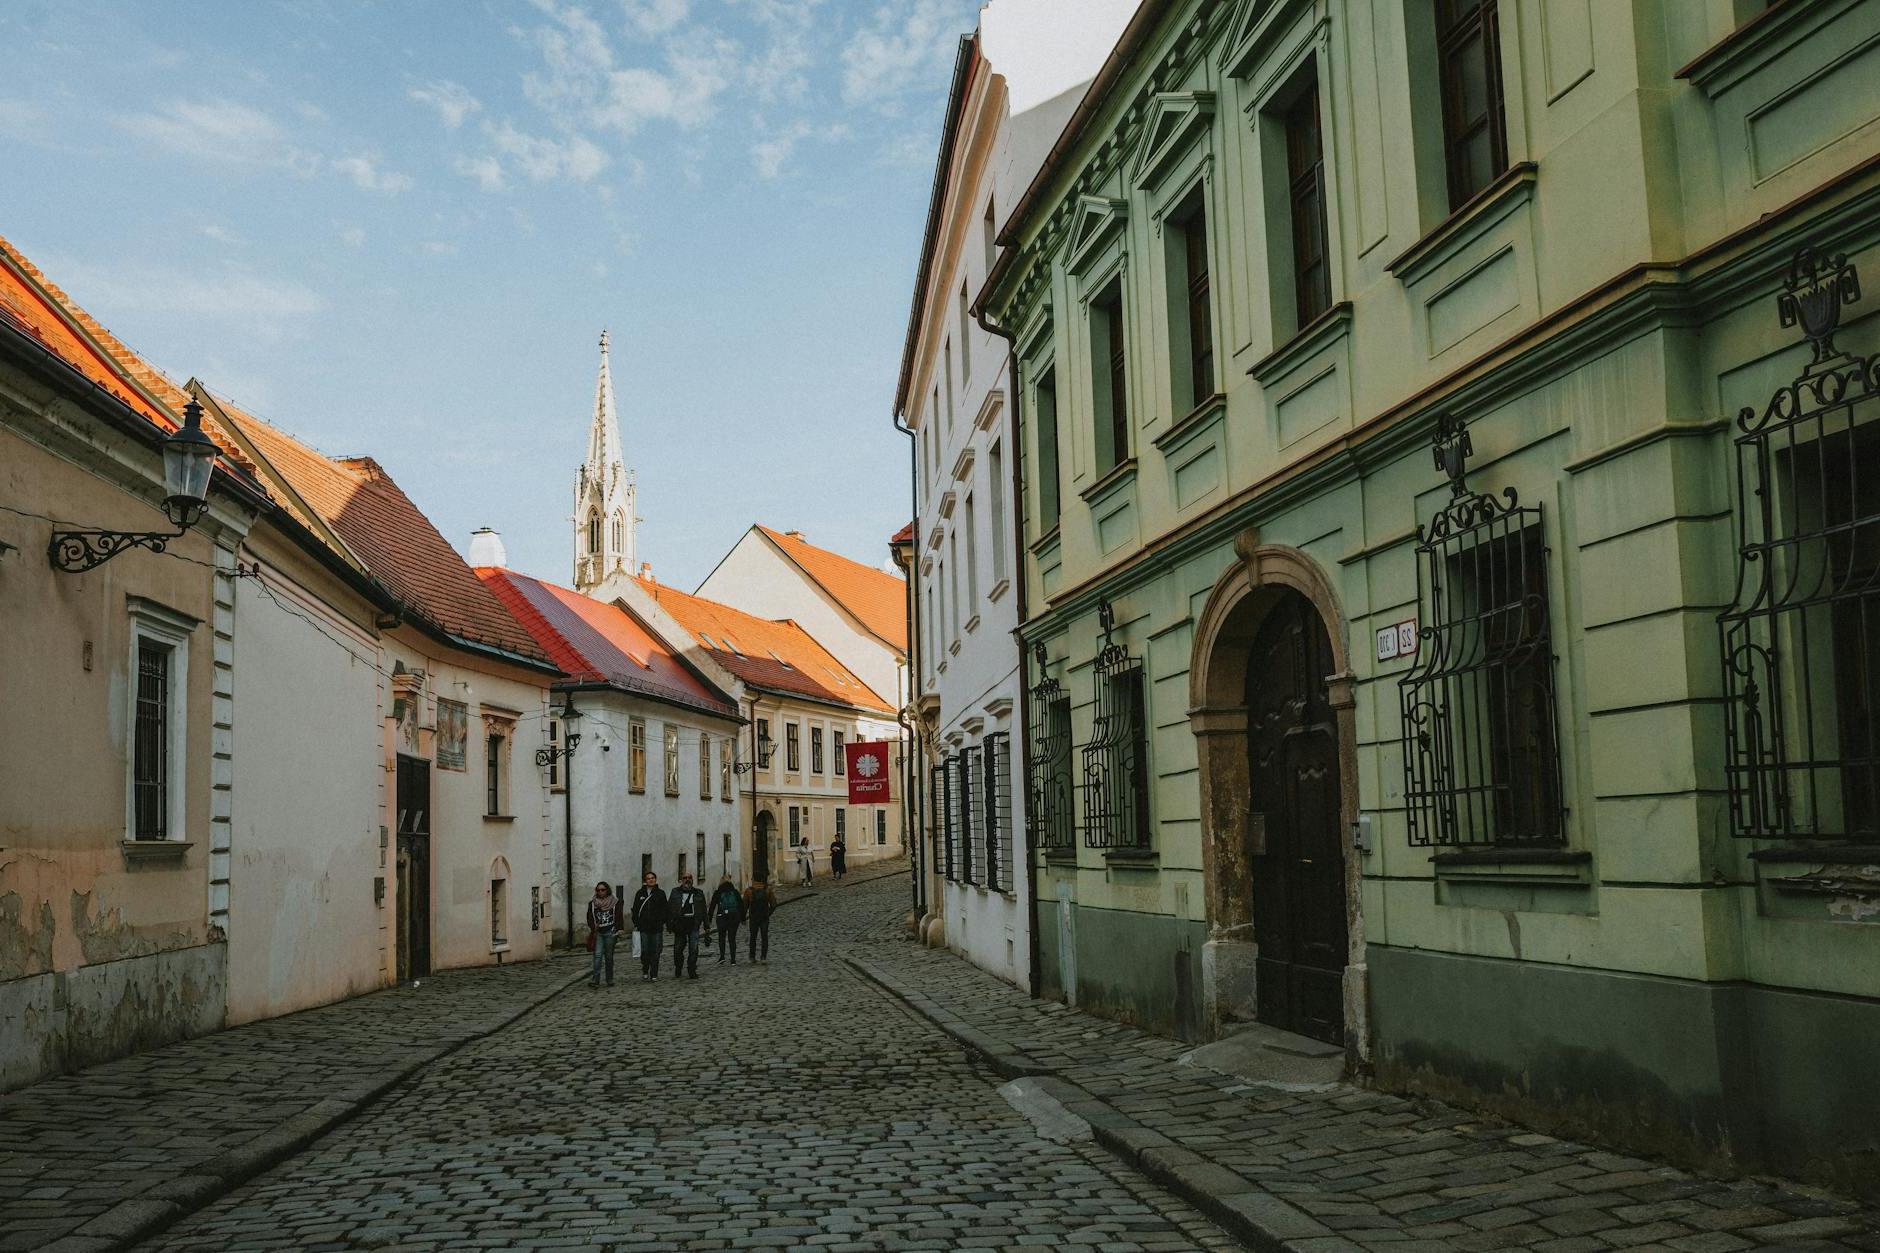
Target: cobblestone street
[(787, 1105)]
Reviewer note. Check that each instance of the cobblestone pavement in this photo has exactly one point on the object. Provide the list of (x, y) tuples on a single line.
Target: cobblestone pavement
[(1372, 1171), (73, 1147), (780, 1106)]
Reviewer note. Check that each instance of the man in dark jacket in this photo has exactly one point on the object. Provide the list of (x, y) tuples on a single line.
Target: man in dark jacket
[(649, 919), (685, 914), (759, 900), (727, 912)]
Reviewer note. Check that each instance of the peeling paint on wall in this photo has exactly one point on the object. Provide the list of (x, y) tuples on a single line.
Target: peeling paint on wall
[(25, 945), (108, 938)]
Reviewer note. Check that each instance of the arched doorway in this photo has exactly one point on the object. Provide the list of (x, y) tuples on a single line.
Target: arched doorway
[(1271, 706), (760, 847)]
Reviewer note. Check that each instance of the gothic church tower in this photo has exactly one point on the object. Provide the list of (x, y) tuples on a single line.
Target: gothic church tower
[(604, 519)]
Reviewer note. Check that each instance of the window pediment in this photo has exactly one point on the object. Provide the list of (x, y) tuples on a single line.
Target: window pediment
[(1099, 218), (1250, 30), (1176, 120), (963, 465)]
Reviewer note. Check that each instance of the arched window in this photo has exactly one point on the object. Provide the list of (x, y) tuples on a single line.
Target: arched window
[(594, 533), (620, 534), (499, 903)]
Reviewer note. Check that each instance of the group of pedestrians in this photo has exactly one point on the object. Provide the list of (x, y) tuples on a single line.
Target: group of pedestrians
[(687, 915), (806, 861)]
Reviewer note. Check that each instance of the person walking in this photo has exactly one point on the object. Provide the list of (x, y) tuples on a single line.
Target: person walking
[(805, 864), (649, 920), (759, 901), (603, 920), (838, 858), (727, 911), (685, 914)]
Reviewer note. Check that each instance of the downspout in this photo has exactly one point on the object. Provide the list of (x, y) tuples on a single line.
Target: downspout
[(567, 831), (1032, 960), (911, 800)]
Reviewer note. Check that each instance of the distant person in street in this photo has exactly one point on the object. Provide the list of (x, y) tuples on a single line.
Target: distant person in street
[(838, 858), (685, 914), (603, 920), (727, 911), (759, 901), (649, 920), (805, 864)]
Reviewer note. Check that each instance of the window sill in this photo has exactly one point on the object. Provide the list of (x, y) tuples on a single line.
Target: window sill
[(953, 650), (1194, 420), (1133, 858), (1839, 855), (1048, 540), (1555, 867), (998, 589), (1307, 340), (501, 947), (156, 850), (1718, 67), (972, 624), (1515, 187), (499, 817), (1064, 858), (1117, 477)]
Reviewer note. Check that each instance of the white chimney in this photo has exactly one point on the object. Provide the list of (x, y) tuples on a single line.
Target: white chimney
[(486, 548), (646, 571)]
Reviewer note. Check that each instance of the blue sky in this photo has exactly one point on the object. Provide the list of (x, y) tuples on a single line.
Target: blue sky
[(398, 229)]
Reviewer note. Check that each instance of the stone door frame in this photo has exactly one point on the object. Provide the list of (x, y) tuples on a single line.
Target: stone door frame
[(1217, 713)]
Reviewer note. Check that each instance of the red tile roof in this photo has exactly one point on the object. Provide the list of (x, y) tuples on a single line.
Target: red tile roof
[(875, 598), (778, 656), (354, 501), (902, 536), (596, 642)]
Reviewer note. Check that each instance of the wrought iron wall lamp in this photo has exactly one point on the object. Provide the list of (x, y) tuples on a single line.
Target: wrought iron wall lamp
[(188, 460)]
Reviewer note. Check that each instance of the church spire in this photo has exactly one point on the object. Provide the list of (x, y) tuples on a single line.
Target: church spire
[(604, 520)]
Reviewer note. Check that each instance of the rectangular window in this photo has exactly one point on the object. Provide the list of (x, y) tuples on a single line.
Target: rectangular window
[(1050, 752), (816, 750), (493, 776), (1475, 129), (972, 785), (937, 820), (995, 465), (966, 340), (724, 770), (499, 912), (150, 762), (1110, 384), (842, 825), (997, 824), (453, 732), (682, 865), (766, 747), (1305, 196), (837, 746), (1049, 500), (881, 826), (953, 588), (955, 859), (796, 827), (704, 766), (792, 749), (989, 236), (646, 868), (672, 760), (727, 840), (636, 755), (1196, 293), (700, 863), (1116, 760), (554, 754), (972, 557), (948, 370)]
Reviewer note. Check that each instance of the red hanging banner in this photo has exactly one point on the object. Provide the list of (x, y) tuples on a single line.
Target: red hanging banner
[(868, 772)]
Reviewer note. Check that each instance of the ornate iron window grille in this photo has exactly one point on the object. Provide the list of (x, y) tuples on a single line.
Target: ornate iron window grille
[(937, 786), (972, 814), (1116, 791), (1050, 765), (953, 818), (1481, 750), (1801, 639), (998, 818)]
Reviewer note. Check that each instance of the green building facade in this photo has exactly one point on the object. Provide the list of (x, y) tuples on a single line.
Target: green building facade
[(1453, 553)]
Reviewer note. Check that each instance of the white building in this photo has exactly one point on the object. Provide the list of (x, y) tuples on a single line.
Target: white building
[(650, 783), (1016, 83)]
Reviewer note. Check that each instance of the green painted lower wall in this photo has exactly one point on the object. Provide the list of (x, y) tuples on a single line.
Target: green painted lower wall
[(1139, 968), (1735, 1076)]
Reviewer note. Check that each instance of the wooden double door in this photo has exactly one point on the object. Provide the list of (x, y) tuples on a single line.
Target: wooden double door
[(413, 918), (1294, 824)]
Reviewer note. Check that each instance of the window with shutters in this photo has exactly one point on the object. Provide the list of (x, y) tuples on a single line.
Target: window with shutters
[(1116, 760), (554, 754), (704, 766)]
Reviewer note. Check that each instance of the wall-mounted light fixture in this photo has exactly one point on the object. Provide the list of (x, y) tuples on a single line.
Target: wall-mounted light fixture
[(188, 460)]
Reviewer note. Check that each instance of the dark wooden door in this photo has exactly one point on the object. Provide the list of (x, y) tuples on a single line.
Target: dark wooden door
[(1297, 856), (414, 868)]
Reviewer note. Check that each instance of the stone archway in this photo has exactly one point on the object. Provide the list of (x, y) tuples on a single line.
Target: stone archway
[(1262, 577)]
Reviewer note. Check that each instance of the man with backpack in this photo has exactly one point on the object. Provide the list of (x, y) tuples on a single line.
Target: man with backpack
[(759, 901), (727, 912), (685, 914), (649, 920)]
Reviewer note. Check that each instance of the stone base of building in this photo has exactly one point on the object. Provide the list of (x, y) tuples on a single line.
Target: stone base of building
[(1726, 1076), (65, 1021), (1144, 969)]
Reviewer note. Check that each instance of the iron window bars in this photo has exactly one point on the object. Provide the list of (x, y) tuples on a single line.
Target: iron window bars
[(1481, 750), (972, 803), (937, 787), (1116, 792), (998, 813), (1050, 763), (1801, 638), (150, 769), (949, 789)]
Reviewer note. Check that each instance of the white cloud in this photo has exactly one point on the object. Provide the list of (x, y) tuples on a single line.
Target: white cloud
[(542, 158), (771, 153), (247, 302), (655, 17), (216, 130), (353, 237), (486, 170), (452, 101), (366, 173), (905, 46), (221, 234), (582, 85), (438, 248)]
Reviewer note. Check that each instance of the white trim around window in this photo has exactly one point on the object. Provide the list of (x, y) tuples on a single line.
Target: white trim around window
[(165, 629)]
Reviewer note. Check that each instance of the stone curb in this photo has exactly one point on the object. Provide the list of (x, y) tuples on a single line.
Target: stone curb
[(137, 1219), (1257, 1218)]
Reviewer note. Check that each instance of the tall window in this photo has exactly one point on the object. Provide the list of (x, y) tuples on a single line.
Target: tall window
[(620, 534), (842, 824), (966, 340), (701, 857), (940, 611), (836, 746), (815, 750), (989, 236), (724, 770), (1048, 474), (953, 589), (1305, 195), (972, 558), (554, 754), (1116, 760), (594, 533), (1198, 304), (499, 912), (1475, 130), (1111, 382), (948, 370), (1050, 752), (704, 766), (998, 818), (796, 827), (792, 749), (881, 826), (672, 760), (995, 466), (150, 759), (636, 755), (493, 775)]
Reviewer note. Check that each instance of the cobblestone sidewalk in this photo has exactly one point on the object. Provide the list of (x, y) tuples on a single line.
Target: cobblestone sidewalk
[(1346, 1168), (92, 1160)]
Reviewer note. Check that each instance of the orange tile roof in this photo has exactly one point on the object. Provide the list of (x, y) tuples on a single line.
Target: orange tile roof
[(875, 598), (902, 536), (776, 655), (597, 642), (355, 501)]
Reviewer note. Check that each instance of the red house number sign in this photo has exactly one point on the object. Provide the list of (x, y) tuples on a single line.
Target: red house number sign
[(868, 772)]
